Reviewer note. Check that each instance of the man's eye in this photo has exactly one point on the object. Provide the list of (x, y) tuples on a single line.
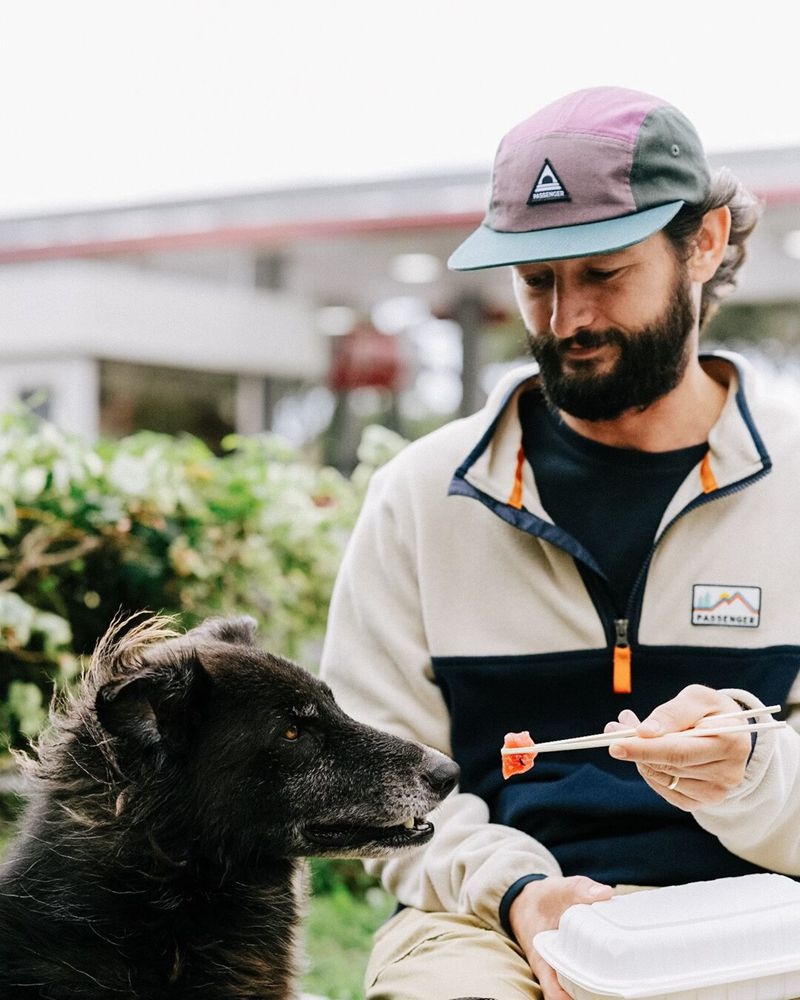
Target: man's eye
[(291, 733), (603, 275), (538, 281)]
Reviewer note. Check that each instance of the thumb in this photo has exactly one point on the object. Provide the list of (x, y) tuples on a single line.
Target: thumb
[(582, 889), (681, 712)]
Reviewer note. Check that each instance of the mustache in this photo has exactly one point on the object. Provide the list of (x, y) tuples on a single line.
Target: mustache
[(583, 338)]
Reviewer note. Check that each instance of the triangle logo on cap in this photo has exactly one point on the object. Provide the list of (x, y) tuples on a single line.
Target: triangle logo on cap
[(548, 187)]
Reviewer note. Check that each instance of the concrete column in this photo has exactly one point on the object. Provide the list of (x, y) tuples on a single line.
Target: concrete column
[(469, 314), (251, 404)]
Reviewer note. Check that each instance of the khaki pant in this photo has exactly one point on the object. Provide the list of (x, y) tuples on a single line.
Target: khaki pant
[(440, 956)]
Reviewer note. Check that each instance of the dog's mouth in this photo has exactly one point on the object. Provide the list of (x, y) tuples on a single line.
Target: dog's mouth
[(416, 830)]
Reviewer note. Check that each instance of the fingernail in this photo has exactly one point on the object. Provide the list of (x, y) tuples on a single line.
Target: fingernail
[(617, 751), (598, 890)]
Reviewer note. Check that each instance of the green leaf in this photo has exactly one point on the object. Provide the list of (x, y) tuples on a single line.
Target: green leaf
[(26, 705)]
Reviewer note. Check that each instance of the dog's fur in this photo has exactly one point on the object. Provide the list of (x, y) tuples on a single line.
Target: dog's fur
[(171, 800)]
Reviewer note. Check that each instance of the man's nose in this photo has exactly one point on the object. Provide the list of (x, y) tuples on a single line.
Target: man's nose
[(570, 311)]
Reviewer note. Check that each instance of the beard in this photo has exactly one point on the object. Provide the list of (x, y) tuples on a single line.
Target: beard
[(650, 363)]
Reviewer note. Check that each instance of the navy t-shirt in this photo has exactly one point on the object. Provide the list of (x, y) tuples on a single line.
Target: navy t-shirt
[(610, 499)]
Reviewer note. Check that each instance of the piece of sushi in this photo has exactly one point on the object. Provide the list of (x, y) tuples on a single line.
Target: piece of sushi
[(517, 763)]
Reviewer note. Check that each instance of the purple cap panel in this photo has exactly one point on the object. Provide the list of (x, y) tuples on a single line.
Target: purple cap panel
[(610, 112), (594, 172)]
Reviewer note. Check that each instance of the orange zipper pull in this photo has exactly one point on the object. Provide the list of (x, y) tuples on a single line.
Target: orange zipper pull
[(622, 658)]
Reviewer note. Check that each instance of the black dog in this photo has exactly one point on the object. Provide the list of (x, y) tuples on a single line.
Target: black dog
[(157, 857)]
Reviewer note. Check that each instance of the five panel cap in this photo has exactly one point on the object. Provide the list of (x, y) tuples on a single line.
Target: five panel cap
[(596, 171)]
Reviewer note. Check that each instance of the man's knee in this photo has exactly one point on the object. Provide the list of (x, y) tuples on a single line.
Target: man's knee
[(446, 956)]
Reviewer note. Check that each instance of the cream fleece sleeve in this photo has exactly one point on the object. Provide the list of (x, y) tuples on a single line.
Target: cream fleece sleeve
[(760, 820), (378, 664)]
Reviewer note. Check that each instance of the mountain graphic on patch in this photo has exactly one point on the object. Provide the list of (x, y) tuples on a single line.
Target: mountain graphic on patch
[(733, 606), (548, 187)]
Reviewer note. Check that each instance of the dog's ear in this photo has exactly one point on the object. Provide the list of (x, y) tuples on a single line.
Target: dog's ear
[(241, 630), (155, 706)]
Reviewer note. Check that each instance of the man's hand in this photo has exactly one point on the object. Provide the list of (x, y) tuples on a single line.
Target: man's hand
[(538, 908), (701, 770)]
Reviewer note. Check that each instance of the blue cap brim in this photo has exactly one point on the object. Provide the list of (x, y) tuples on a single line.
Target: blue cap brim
[(489, 248)]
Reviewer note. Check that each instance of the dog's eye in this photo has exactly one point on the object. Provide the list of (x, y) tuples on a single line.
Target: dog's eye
[(292, 733)]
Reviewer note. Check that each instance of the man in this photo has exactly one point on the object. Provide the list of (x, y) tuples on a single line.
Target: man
[(611, 538)]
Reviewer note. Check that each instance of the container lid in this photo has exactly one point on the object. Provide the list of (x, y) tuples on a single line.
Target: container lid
[(680, 937)]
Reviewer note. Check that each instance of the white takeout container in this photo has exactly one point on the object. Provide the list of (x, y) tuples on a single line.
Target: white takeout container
[(727, 939)]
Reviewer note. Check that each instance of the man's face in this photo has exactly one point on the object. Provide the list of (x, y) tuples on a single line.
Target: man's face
[(610, 332)]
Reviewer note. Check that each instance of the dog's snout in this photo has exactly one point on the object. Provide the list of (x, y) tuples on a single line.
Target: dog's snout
[(442, 775)]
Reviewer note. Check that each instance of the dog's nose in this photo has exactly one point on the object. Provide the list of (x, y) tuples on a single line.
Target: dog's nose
[(442, 775)]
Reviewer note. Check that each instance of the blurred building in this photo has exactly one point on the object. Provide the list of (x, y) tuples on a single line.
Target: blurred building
[(98, 346), (221, 313)]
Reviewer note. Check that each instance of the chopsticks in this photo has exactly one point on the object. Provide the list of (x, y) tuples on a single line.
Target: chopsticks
[(606, 739)]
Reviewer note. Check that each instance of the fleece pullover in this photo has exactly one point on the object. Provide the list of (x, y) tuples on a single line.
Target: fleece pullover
[(462, 611)]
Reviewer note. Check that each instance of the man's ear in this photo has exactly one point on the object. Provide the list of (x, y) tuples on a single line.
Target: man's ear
[(710, 244), (156, 706), (241, 630)]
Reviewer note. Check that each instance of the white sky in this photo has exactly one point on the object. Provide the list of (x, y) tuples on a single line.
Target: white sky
[(118, 101)]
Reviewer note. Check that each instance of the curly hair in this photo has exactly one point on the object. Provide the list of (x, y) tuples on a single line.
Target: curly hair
[(745, 209)]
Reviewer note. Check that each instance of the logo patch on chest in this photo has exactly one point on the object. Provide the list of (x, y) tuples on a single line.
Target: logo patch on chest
[(729, 604)]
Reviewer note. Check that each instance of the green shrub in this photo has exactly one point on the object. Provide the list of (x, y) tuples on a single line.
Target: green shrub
[(158, 523)]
